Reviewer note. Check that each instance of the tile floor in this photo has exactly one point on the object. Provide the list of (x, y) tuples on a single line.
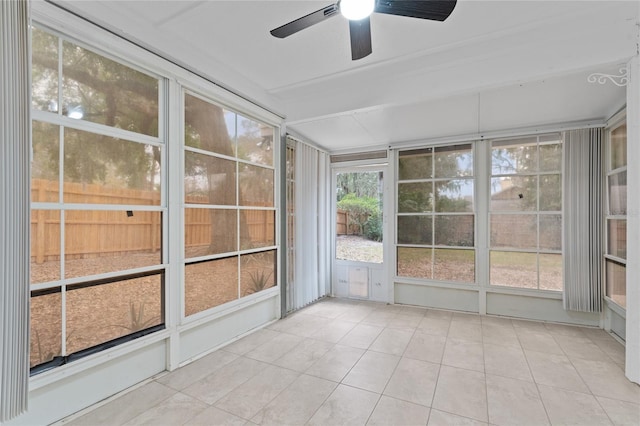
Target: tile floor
[(354, 363)]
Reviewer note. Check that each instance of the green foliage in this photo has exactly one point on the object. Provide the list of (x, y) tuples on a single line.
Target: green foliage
[(365, 213), (360, 184), (259, 281), (136, 318)]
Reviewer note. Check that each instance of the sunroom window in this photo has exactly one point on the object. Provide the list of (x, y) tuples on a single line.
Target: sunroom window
[(97, 273)]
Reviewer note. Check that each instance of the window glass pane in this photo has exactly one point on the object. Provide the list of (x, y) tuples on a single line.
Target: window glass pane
[(617, 282), (99, 313), (514, 156), (550, 232), (255, 141), (454, 231), (256, 186), (453, 161), (415, 197), (618, 194), (103, 91), (44, 71), (617, 238), (209, 126), (210, 284), (550, 193), (105, 170), (415, 262), (45, 166), (257, 228), (257, 272), (454, 265), (618, 147), (415, 164), (551, 272), (454, 195), (209, 180), (516, 193), (46, 326), (45, 246), (210, 231), (97, 242), (551, 157), (415, 230), (514, 269), (514, 231)]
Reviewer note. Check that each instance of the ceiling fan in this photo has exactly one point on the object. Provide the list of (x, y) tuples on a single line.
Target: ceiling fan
[(358, 11)]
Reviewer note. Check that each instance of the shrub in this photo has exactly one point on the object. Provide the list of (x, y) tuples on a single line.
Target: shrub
[(365, 213)]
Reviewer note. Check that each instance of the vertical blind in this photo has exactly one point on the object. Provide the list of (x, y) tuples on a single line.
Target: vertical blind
[(583, 202), (15, 128), (312, 238)]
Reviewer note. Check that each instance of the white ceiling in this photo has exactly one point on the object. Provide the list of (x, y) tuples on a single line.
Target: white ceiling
[(492, 65)]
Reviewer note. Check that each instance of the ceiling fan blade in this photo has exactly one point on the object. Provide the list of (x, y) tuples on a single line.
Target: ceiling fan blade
[(360, 32), (436, 10), (306, 21)]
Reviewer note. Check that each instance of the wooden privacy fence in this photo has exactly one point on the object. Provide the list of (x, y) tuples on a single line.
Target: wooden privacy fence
[(94, 233), (342, 224)]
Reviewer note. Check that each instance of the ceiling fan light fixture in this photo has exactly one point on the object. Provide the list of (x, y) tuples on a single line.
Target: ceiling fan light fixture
[(354, 10)]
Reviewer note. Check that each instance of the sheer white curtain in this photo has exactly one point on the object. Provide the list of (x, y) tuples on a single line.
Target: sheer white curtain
[(15, 125), (312, 226), (583, 200)]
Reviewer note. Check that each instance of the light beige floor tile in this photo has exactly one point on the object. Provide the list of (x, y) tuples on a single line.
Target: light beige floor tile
[(297, 403), (463, 354), (465, 317), (254, 394), (286, 323), (252, 341), (613, 348), (361, 336), (507, 361), (496, 321), (127, 406), (191, 373), (413, 311), (440, 418), (301, 357), (581, 348), (346, 406), (572, 408), (391, 411), (275, 348), (470, 331), (413, 381), (216, 385), (622, 413), (608, 380), (372, 371), (522, 325), (356, 313), (439, 314), (426, 347), (379, 318), (392, 341), (333, 331), (514, 402), (554, 370), (308, 325), (435, 326), (403, 321), (173, 411), (564, 330), (326, 309), (215, 416), (461, 392), (503, 335), (595, 333), (336, 363), (540, 342)]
